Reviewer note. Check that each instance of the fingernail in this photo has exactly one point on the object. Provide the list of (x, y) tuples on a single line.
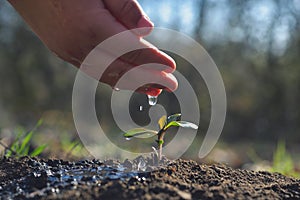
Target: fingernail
[(145, 22)]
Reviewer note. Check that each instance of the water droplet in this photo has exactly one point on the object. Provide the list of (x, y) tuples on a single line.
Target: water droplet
[(141, 108), (116, 89), (128, 138), (152, 100)]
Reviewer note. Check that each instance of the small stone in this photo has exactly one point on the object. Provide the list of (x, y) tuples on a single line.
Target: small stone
[(184, 195)]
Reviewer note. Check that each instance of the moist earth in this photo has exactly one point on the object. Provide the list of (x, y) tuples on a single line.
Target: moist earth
[(33, 178)]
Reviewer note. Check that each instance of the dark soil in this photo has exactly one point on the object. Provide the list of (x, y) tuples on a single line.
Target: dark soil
[(33, 178)]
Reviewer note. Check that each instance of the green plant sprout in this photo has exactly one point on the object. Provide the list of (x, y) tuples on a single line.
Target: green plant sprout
[(283, 162), (21, 144), (164, 124)]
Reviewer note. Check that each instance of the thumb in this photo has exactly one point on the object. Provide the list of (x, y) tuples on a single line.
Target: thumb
[(130, 14)]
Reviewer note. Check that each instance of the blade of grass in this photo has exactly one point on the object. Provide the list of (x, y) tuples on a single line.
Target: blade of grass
[(25, 143), (37, 151)]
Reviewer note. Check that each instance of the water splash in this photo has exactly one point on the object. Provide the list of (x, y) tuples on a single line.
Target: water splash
[(141, 165), (50, 176)]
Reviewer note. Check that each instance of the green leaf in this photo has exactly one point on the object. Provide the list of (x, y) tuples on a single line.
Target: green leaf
[(21, 144), (162, 121), (140, 133), (282, 160), (37, 151), (175, 117), (182, 124), (25, 143), (25, 151), (15, 145)]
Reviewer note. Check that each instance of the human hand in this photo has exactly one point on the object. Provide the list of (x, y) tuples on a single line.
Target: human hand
[(72, 28)]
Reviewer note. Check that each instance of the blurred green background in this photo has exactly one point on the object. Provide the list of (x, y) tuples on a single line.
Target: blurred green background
[(255, 44)]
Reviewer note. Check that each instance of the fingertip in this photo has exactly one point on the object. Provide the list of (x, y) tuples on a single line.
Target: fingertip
[(145, 22), (170, 63), (172, 82), (169, 84), (144, 27), (130, 14)]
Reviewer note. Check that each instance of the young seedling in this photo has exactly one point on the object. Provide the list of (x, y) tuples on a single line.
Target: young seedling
[(21, 144), (164, 124)]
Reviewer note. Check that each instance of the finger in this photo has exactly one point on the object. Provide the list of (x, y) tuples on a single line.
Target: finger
[(130, 14), (147, 81), (127, 42), (145, 56), (145, 53), (150, 54), (95, 34), (125, 76), (136, 51)]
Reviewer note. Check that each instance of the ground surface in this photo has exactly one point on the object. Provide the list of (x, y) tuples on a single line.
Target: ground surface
[(93, 179)]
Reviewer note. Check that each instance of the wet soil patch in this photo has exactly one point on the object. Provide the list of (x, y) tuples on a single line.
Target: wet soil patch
[(31, 178)]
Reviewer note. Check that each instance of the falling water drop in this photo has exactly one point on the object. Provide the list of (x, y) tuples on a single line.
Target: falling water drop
[(152, 100), (141, 108)]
